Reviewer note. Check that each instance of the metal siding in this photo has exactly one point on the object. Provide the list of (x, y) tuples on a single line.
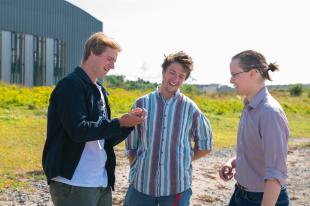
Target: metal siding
[(49, 62), (28, 60), (6, 56), (55, 19)]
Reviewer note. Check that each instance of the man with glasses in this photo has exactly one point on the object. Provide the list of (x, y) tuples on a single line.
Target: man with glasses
[(260, 165)]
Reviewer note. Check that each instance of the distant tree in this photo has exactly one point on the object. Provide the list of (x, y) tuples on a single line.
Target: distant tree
[(114, 80), (140, 84), (119, 81), (296, 90), (189, 88)]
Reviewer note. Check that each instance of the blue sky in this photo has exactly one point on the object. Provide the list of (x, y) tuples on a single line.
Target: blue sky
[(210, 31)]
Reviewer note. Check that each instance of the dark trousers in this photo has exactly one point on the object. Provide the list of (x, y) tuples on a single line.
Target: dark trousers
[(242, 197), (68, 195)]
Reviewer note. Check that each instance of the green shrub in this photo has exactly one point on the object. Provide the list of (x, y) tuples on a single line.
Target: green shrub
[(296, 90), (119, 81), (188, 88)]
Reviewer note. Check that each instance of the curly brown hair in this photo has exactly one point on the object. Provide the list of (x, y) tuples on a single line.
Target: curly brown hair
[(180, 57)]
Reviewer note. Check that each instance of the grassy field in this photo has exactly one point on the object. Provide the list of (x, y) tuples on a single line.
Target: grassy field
[(23, 125)]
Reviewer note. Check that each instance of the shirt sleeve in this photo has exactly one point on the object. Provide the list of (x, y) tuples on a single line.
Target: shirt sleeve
[(275, 133), (132, 141), (202, 132)]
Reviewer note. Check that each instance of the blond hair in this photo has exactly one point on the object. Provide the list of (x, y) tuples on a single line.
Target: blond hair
[(97, 44)]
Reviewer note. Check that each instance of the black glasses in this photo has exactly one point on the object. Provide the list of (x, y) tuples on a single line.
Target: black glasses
[(233, 75)]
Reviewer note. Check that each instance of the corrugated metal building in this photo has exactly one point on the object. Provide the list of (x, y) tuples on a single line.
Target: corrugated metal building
[(41, 40)]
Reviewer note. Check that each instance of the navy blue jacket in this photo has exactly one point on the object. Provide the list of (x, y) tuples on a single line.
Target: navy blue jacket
[(73, 119)]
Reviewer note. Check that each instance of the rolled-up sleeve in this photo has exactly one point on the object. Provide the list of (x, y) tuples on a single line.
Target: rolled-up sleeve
[(132, 143), (202, 132), (275, 133)]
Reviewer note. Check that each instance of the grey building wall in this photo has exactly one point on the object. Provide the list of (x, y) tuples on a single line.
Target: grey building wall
[(55, 19), (6, 56), (29, 60), (49, 62)]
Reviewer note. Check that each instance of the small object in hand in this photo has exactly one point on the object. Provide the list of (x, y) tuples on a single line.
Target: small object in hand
[(226, 173), (144, 113), (141, 112), (225, 176), (137, 110)]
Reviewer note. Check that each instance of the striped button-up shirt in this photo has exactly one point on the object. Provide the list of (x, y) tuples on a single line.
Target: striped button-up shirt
[(162, 145)]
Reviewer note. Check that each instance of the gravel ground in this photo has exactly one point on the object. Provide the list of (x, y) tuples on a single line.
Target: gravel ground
[(207, 188)]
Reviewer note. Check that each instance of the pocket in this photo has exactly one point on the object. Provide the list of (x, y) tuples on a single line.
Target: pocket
[(60, 190), (185, 197), (254, 198), (131, 197), (283, 199), (237, 195)]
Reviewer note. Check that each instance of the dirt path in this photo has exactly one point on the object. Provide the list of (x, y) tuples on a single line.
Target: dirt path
[(207, 188)]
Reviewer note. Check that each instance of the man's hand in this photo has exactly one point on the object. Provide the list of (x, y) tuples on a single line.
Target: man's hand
[(134, 117), (131, 159), (199, 154), (130, 120), (226, 171), (140, 112)]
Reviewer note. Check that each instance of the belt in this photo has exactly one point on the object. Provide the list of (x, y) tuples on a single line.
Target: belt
[(241, 187)]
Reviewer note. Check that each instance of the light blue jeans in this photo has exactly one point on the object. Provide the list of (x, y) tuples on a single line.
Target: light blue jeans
[(245, 198), (136, 198)]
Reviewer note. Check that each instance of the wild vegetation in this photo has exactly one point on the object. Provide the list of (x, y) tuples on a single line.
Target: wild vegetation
[(296, 90), (23, 122)]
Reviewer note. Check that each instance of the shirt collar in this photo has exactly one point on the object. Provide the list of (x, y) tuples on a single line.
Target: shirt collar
[(257, 99), (82, 74), (176, 95)]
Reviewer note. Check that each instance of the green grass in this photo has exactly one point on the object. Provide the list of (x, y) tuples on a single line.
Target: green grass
[(224, 129), (299, 125), (23, 125), (22, 138)]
